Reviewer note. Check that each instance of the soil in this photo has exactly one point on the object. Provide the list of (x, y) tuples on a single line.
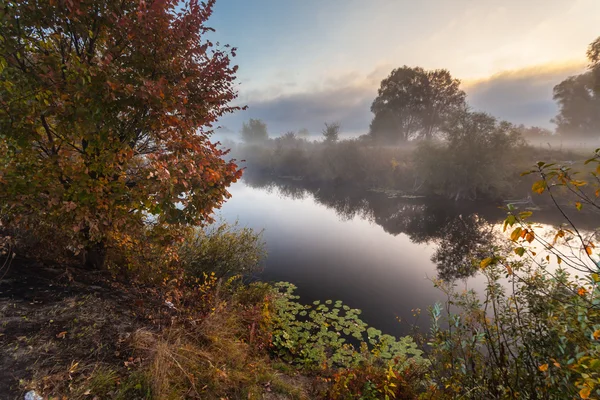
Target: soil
[(56, 324)]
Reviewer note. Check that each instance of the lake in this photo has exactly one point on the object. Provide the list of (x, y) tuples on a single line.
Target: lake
[(375, 251)]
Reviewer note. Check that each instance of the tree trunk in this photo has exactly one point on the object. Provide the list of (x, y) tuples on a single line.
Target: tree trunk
[(95, 256)]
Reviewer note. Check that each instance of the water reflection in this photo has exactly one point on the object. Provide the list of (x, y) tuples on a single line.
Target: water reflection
[(373, 250), (460, 238)]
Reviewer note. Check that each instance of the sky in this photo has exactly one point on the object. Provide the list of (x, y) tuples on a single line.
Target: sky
[(307, 62)]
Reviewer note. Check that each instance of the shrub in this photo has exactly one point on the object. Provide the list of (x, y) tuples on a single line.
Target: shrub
[(216, 349), (222, 249), (536, 332), (474, 162)]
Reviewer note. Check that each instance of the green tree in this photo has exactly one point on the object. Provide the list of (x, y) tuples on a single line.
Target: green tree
[(331, 132), (413, 102), (474, 161), (105, 109), (254, 131), (578, 98), (289, 136)]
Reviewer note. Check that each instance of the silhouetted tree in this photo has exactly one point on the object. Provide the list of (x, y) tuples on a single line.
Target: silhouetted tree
[(289, 135), (474, 161), (254, 131), (303, 134), (593, 55), (578, 98), (331, 132), (461, 244), (533, 132), (412, 102)]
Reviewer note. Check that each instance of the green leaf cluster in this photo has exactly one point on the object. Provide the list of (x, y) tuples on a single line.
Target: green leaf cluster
[(330, 334)]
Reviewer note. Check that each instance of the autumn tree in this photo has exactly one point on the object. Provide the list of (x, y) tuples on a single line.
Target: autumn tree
[(331, 132), (106, 110), (254, 131), (578, 99), (414, 103)]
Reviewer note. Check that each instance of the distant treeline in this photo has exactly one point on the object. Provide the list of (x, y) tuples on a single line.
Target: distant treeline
[(482, 158), (425, 138)]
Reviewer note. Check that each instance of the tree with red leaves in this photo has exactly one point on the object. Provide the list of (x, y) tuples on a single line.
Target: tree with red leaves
[(106, 111)]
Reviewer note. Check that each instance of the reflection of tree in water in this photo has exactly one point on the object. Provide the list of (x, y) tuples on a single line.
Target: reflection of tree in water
[(284, 188), (461, 238), (292, 191), (461, 244), (345, 202)]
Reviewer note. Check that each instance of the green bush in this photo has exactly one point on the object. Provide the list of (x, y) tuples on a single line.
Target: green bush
[(223, 249), (475, 161), (536, 332)]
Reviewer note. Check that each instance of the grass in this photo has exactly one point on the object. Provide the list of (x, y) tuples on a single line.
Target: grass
[(83, 335), (211, 360), (82, 341)]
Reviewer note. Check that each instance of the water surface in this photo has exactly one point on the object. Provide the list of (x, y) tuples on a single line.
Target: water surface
[(375, 251)]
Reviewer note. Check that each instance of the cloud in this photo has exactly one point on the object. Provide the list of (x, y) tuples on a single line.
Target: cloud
[(347, 101), (519, 96)]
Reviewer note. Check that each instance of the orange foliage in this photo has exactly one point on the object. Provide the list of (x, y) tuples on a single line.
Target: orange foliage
[(106, 109)]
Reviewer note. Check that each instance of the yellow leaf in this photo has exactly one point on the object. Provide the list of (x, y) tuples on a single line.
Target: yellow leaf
[(485, 262), (585, 392), (509, 269), (559, 234), (539, 187), (543, 367), (597, 334), (515, 234), (578, 183)]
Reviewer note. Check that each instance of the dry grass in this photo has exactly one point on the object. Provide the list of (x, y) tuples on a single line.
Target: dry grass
[(211, 361), (71, 336)]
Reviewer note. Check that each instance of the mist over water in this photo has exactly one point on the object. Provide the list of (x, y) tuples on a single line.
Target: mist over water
[(327, 257), (439, 203), (373, 250)]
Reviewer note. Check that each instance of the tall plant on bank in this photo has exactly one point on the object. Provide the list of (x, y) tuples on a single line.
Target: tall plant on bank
[(106, 110), (536, 333)]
